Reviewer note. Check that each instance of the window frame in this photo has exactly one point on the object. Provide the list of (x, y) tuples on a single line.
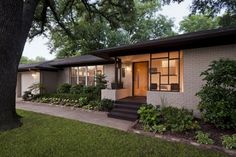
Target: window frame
[(168, 75)]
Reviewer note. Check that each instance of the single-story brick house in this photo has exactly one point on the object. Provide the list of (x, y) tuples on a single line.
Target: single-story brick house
[(162, 71)]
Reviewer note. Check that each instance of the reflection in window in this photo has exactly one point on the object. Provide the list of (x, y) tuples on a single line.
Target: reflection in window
[(82, 76), (91, 76), (85, 75), (165, 71)]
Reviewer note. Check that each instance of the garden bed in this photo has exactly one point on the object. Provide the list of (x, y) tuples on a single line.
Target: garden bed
[(189, 136)]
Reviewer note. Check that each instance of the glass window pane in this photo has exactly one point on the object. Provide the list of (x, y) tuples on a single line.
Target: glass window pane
[(174, 54), (82, 75), (91, 75), (100, 69), (155, 81), (164, 79), (74, 77), (174, 67)]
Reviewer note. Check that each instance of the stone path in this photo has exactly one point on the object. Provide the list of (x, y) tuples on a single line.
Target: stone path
[(93, 117)]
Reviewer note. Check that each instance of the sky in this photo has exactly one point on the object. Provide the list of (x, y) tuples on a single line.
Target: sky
[(38, 47)]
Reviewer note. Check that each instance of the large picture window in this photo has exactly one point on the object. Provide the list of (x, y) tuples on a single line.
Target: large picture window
[(166, 72), (85, 75)]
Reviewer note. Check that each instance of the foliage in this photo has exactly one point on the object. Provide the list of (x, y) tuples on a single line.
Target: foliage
[(218, 95), (140, 24), (229, 142), (214, 8), (64, 88), (161, 128), (76, 89), (100, 80), (149, 116), (26, 60), (203, 138), (83, 101), (106, 104), (36, 88), (179, 120), (195, 23), (166, 119), (27, 96)]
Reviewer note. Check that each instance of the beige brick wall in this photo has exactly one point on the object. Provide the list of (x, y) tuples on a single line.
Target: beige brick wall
[(195, 61), (109, 71)]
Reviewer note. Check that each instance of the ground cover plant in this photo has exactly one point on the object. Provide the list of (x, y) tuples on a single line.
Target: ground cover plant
[(42, 135)]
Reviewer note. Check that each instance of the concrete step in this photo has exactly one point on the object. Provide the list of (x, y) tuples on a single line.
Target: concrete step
[(125, 116), (127, 106), (125, 110)]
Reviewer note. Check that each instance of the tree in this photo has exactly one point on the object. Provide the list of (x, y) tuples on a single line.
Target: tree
[(26, 60), (18, 17), (213, 8), (97, 34), (195, 23)]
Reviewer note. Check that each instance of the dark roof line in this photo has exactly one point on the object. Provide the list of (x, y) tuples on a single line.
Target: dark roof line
[(198, 39)]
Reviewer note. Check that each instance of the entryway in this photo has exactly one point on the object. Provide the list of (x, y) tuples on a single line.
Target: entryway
[(140, 78)]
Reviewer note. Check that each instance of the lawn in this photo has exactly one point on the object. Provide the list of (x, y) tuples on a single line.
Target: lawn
[(47, 136)]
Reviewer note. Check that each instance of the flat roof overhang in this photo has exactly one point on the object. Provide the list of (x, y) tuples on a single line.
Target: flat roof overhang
[(180, 42)]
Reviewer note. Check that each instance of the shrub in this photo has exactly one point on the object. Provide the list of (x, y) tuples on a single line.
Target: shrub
[(64, 88), (218, 95), (106, 104), (159, 128), (203, 138), (36, 88), (27, 96), (76, 89), (149, 115), (178, 120), (83, 101), (229, 142), (101, 81), (95, 105)]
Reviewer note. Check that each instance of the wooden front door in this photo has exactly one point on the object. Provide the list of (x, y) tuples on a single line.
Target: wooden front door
[(140, 77)]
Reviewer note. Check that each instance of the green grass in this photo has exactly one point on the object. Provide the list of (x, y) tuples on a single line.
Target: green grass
[(47, 136)]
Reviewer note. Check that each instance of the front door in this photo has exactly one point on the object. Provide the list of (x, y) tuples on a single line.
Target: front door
[(140, 77)]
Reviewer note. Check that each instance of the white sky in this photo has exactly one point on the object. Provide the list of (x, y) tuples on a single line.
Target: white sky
[(38, 46)]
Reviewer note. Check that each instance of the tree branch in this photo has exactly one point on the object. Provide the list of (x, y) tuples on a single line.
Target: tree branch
[(61, 24)]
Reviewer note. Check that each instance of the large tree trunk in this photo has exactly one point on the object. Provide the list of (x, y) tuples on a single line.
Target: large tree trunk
[(14, 28)]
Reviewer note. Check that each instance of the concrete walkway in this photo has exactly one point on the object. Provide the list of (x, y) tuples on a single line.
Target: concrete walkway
[(93, 117)]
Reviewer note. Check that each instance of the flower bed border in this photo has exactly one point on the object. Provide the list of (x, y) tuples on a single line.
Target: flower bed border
[(181, 140)]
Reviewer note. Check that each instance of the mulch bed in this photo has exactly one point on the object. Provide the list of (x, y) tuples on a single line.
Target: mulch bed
[(215, 133)]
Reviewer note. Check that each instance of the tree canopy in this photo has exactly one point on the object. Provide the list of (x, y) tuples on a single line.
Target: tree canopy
[(195, 23), (26, 60), (225, 10), (97, 33)]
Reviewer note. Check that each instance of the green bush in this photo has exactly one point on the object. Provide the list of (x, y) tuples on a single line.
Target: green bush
[(27, 96), (218, 95), (178, 120), (95, 105), (149, 116), (229, 142), (203, 138), (106, 104), (159, 128), (83, 101), (64, 88), (76, 89)]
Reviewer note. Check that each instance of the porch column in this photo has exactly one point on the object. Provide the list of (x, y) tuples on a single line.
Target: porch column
[(117, 67)]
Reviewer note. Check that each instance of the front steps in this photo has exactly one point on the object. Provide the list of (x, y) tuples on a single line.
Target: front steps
[(125, 110)]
